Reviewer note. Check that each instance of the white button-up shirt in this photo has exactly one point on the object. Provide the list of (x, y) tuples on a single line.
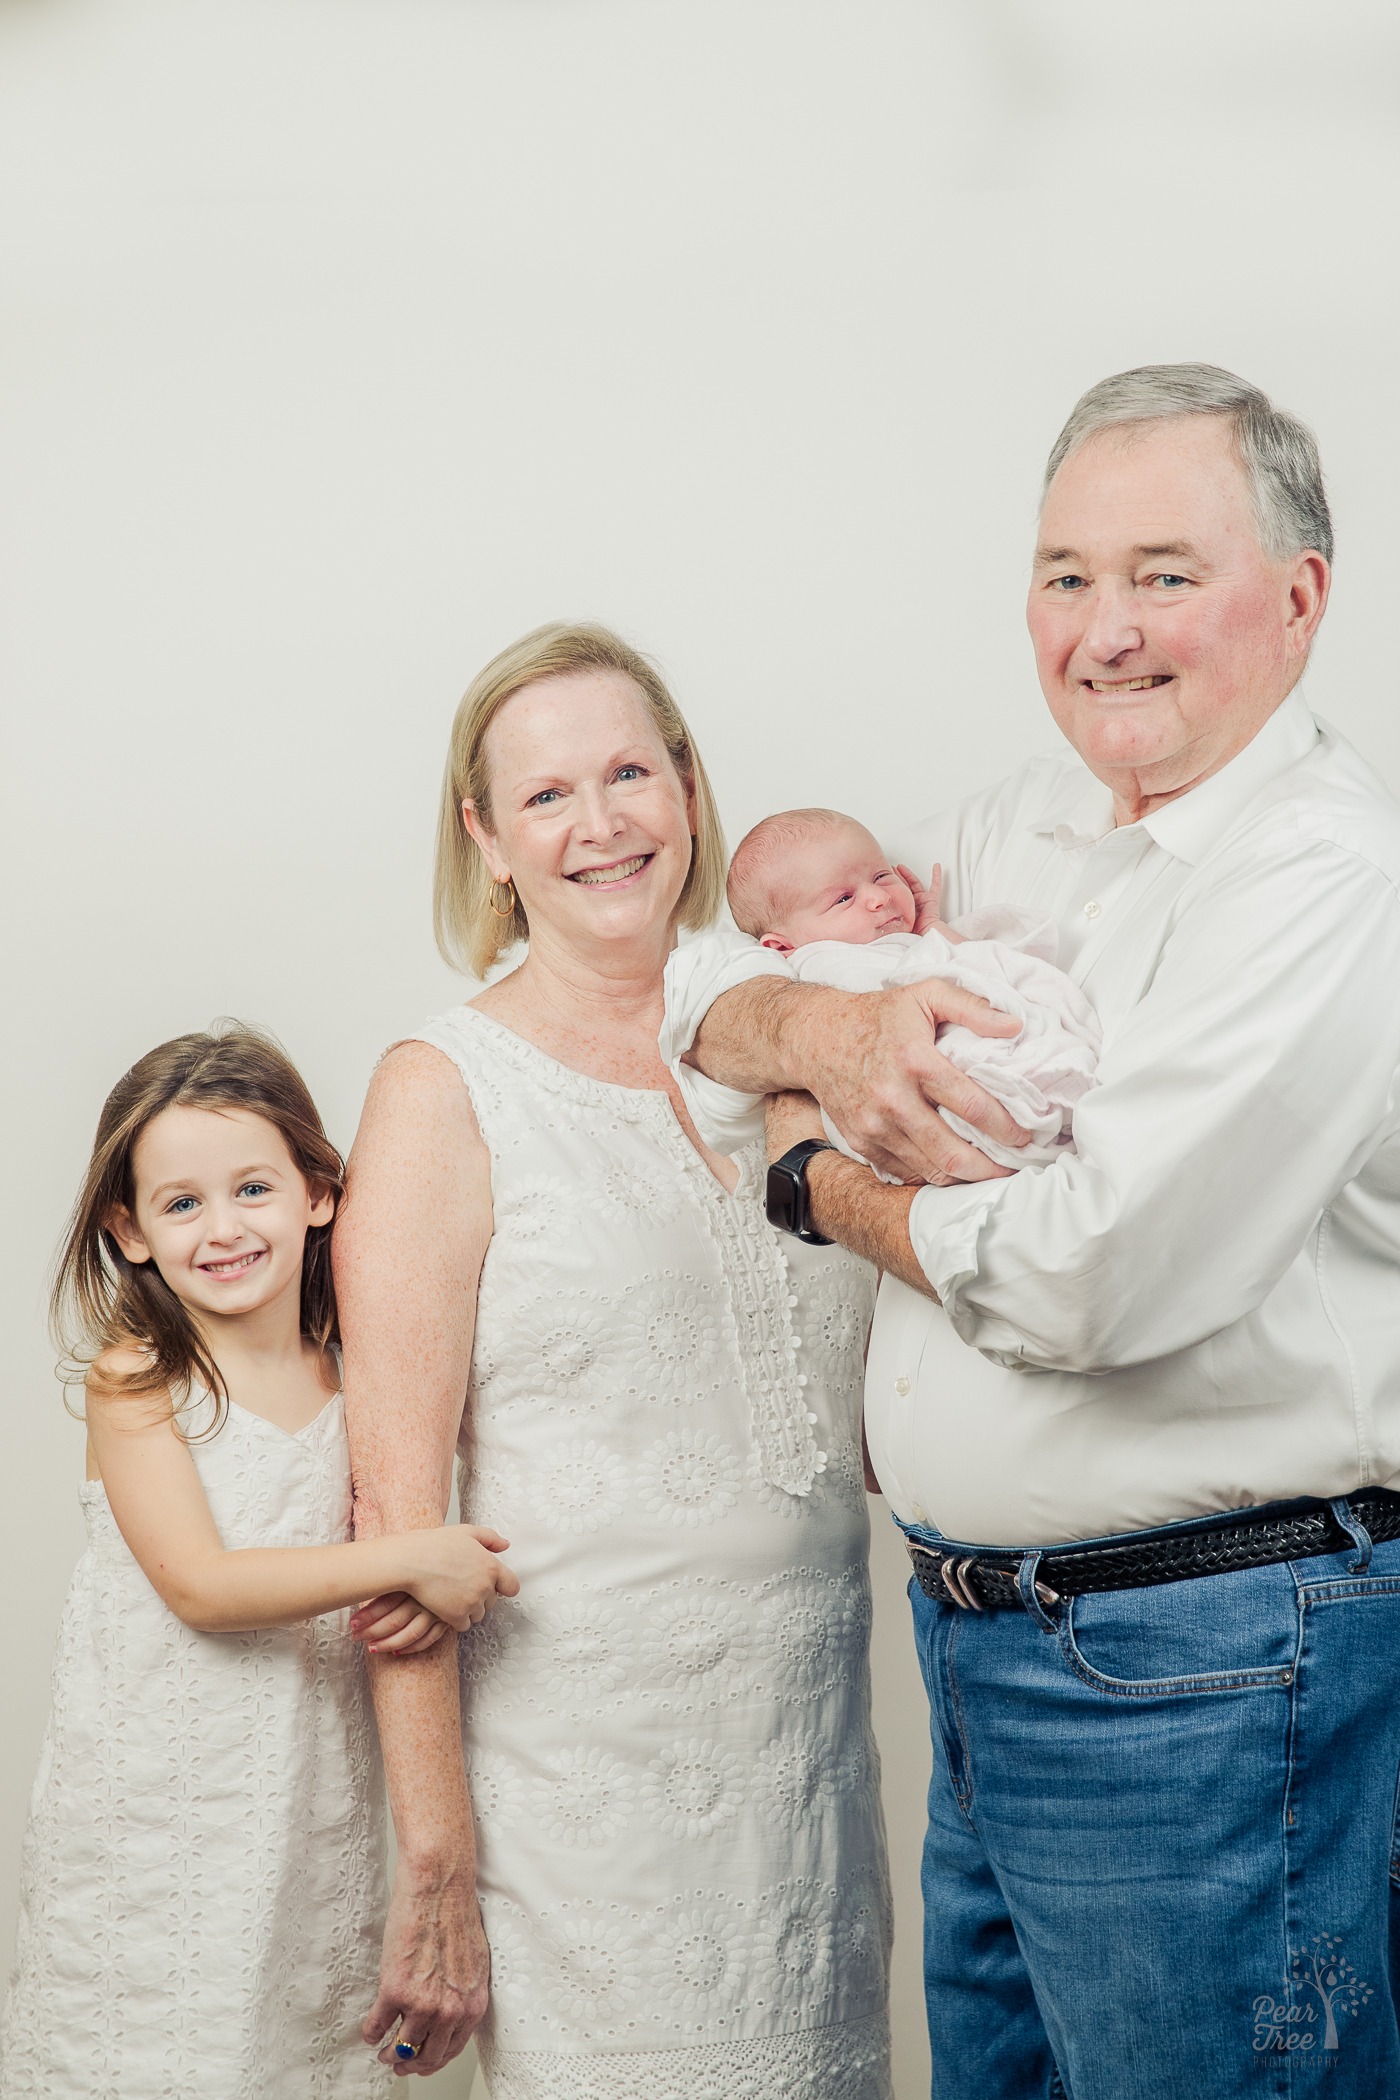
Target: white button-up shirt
[(1200, 1307)]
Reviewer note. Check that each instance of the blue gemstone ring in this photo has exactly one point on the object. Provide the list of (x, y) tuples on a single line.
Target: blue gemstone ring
[(406, 2051)]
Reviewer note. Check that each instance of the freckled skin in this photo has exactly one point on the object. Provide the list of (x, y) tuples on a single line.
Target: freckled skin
[(414, 1230), (408, 1250)]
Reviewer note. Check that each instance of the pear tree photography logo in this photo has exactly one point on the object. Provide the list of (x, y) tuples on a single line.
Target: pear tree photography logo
[(1325, 1993)]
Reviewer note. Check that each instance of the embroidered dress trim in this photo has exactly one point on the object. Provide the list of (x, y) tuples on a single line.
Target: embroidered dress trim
[(847, 2062), (756, 1267)]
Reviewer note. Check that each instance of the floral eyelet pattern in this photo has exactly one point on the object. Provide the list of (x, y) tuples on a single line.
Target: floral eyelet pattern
[(663, 1417), (693, 1789), (689, 1477), (581, 1486), (585, 1798)]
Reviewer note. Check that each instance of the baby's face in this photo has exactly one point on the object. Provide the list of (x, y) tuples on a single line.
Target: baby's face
[(837, 885)]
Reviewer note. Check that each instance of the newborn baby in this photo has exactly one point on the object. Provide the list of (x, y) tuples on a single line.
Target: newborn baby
[(814, 887)]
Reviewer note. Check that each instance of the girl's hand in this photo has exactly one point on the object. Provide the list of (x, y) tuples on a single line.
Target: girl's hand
[(455, 1572), (397, 1624)]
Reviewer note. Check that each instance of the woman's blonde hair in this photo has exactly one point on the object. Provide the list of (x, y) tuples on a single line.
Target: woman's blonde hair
[(101, 1300), (470, 935)]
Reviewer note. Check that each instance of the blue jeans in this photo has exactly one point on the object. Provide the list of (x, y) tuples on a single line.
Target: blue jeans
[(1161, 1854)]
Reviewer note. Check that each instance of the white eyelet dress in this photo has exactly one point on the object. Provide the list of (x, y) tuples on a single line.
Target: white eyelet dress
[(682, 1862), (202, 1890)]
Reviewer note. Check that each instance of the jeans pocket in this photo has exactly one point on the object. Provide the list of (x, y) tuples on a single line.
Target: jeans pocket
[(1215, 1633)]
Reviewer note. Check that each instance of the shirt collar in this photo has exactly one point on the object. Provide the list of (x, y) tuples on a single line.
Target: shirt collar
[(1080, 814), (1189, 826)]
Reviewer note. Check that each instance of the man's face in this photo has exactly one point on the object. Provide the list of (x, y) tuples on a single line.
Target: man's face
[(1164, 635)]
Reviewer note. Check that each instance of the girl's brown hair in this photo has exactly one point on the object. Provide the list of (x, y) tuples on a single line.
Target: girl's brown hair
[(103, 1301)]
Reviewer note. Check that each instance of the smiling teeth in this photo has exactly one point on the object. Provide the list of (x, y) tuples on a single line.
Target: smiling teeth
[(1127, 685), (227, 1268), (596, 876)]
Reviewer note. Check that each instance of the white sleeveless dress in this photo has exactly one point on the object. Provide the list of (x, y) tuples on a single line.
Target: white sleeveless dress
[(682, 1863), (202, 1886)]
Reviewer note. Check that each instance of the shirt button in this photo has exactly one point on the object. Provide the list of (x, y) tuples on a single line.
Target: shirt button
[(1092, 910), (901, 1386)]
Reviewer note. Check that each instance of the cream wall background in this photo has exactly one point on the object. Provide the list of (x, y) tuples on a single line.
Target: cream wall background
[(342, 340)]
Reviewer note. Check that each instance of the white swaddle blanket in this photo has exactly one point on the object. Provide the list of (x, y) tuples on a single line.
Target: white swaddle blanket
[(1005, 957)]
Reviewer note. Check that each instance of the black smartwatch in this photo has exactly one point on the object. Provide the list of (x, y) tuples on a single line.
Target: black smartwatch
[(787, 1192)]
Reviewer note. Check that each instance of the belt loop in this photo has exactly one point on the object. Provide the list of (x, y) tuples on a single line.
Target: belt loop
[(1356, 1531), (1027, 1585)]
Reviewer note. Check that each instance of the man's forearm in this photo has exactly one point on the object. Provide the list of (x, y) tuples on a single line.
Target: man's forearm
[(850, 1205), (756, 1037)]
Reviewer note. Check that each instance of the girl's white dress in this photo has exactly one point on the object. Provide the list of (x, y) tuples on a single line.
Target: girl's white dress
[(682, 1864), (202, 1884)]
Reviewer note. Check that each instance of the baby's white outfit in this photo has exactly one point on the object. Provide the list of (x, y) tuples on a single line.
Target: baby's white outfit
[(1005, 957), (202, 1889)]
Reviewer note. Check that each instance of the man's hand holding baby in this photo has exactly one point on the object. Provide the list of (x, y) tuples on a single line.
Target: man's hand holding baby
[(872, 1060)]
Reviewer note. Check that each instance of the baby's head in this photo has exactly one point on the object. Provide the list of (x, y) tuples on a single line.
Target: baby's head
[(814, 875)]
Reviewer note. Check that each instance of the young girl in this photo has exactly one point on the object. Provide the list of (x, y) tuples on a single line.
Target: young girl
[(201, 1893)]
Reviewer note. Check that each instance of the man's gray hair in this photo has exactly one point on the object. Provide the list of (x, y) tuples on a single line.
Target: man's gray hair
[(1278, 453)]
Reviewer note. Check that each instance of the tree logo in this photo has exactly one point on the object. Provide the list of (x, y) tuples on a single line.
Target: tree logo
[(1323, 1967)]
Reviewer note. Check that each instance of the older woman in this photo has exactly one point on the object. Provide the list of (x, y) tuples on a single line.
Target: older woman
[(679, 1860)]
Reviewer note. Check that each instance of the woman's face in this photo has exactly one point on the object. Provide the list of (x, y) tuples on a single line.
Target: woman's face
[(591, 821)]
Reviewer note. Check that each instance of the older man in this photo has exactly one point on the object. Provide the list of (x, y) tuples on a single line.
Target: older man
[(1165, 1761)]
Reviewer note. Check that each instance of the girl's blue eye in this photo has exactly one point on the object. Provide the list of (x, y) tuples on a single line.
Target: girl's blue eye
[(181, 1206), (254, 1188)]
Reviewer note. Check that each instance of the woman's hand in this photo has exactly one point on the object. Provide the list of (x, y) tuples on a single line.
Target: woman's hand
[(435, 1973)]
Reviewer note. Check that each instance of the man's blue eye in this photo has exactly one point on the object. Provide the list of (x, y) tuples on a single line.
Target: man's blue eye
[(1068, 583), (1169, 579)]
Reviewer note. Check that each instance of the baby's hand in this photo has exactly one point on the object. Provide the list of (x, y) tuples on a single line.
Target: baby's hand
[(927, 902)]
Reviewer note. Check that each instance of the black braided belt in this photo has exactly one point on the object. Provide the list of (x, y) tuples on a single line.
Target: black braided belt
[(986, 1578)]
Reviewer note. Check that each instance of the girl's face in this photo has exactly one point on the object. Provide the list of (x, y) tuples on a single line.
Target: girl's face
[(221, 1208), (591, 821)]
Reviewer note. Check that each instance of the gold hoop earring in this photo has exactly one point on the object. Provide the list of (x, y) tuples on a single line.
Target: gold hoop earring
[(509, 912)]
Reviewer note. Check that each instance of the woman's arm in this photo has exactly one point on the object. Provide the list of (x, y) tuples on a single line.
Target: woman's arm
[(409, 1245), (160, 1508)]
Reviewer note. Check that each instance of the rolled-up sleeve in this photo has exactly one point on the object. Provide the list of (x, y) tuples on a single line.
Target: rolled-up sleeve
[(699, 971), (1251, 1082)]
